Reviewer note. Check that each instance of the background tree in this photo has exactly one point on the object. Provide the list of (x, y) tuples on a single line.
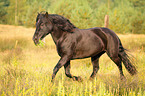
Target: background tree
[(34, 7), (125, 16), (3, 6), (17, 12)]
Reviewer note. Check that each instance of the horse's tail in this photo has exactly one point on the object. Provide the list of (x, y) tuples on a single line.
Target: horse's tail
[(126, 60)]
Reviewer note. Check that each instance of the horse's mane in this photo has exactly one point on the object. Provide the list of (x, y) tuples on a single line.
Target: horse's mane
[(61, 22)]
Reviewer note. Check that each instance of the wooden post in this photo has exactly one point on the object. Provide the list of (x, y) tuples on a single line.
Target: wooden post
[(106, 21)]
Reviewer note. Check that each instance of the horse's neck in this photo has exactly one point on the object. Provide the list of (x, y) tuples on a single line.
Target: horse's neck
[(56, 35)]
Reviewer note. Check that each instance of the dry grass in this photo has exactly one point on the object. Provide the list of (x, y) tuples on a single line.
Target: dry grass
[(26, 69)]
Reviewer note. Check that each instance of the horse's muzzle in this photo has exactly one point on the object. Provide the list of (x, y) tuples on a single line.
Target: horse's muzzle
[(36, 40)]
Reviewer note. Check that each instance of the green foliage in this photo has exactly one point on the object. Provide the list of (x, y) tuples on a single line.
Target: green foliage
[(3, 11), (138, 24), (78, 11), (121, 17), (138, 4), (16, 12), (35, 6), (125, 16)]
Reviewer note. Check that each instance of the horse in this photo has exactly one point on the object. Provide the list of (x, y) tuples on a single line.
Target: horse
[(74, 43)]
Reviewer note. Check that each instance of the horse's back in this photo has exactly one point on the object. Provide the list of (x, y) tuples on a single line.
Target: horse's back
[(87, 43)]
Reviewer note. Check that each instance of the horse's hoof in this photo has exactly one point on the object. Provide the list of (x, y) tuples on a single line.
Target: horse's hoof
[(91, 78), (52, 80), (123, 79), (77, 78), (80, 79)]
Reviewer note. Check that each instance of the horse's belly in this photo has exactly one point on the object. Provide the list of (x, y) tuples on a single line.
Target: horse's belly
[(87, 51)]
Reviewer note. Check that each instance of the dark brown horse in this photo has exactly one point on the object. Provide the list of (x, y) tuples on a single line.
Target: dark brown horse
[(74, 43)]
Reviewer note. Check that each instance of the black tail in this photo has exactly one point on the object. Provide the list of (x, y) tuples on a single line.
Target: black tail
[(126, 61)]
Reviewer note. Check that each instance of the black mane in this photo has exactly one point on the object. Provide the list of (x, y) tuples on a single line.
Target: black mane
[(61, 22)]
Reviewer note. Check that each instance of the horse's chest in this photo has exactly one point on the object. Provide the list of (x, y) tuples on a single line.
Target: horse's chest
[(65, 48)]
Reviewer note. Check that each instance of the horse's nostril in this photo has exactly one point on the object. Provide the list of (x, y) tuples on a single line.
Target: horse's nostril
[(34, 38)]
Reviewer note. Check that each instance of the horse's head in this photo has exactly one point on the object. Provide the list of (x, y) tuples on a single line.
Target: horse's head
[(43, 27)]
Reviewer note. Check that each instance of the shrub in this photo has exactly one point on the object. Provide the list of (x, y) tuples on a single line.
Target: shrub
[(124, 17)]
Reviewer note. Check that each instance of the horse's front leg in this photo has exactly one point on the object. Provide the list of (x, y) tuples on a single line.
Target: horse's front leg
[(68, 74), (63, 60)]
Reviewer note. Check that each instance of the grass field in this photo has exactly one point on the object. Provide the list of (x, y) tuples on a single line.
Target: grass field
[(25, 69)]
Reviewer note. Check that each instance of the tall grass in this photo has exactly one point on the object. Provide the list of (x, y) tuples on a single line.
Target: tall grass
[(26, 69)]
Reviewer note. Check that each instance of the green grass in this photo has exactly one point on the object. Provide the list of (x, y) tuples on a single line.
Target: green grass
[(26, 69)]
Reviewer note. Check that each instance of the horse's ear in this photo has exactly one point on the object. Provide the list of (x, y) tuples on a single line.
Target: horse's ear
[(37, 16), (46, 14), (38, 13)]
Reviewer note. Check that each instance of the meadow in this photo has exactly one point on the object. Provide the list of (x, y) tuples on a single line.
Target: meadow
[(26, 69)]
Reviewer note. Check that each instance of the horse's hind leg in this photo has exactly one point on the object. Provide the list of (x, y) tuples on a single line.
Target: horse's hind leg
[(95, 62), (68, 74), (118, 62)]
